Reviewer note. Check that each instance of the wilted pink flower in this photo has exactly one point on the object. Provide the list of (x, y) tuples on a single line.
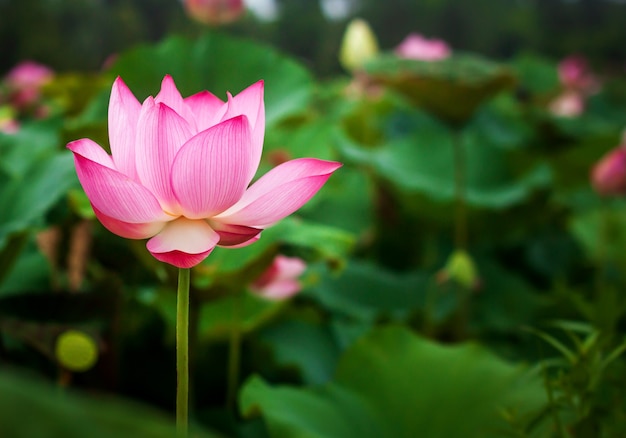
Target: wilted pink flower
[(180, 170), (280, 280), (608, 176), (214, 12), (575, 74), (24, 82), (415, 46), (568, 104)]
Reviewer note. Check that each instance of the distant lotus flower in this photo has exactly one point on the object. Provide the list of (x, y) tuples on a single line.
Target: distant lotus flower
[(280, 280), (568, 104), (214, 12), (180, 170), (24, 82), (608, 176), (575, 74), (359, 45), (415, 46)]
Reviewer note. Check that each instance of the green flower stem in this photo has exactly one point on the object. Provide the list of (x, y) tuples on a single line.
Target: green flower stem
[(460, 238), (234, 353), (182, 352)]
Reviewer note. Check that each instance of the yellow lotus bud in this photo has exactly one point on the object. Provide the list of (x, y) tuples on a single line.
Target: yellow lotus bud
[(358, 46), (76, 350)]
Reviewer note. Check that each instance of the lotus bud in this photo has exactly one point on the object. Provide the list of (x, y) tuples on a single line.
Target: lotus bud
[(415, 46), (215, 12), (281, 280), (461, 269), (608, 176), (358, 46)]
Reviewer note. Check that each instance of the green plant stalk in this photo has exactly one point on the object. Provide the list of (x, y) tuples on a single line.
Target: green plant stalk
[(460, 231), (182, 353), (234, 352)]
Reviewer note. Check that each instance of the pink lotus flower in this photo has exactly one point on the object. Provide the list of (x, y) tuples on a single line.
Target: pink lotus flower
[(214, 12), (280, 280), (415, 46), (568, 104), (575, 74), (180, 170), (608, 176), (24, 82)]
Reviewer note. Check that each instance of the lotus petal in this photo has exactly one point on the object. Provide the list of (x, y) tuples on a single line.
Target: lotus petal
[(279, 193)]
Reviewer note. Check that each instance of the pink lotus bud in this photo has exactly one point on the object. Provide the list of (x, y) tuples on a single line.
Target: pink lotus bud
[(215, 12), (574, 73), (608, 176), (415, 46), (568, 104), (280, 280), (24, 82)]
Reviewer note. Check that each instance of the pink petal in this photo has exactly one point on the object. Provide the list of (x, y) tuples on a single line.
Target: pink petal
[(207, 109), (92, 151), (289, 267), (243, 244), (128, 230), (250, 103), (280, 192), (161, 133), (209, 173), (279, 290), (124, 111), (113, 193), (234, 235), (183, 242), (181, 259), (170, 96)]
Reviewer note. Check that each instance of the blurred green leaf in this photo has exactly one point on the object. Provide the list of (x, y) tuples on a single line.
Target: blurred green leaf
[(395, 384), (310, 347), (451, 88), (367, 291), (216, 319), (601, 232), (72, 415), (37, 175), (218, 63), (536, 74), (423, 161)]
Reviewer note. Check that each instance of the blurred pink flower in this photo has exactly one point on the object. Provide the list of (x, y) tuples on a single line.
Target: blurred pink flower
[(575, 74), (415, 46), (214, 12), (180, 170), (568, 104), (9, 126), (608, 175), (280, 280), (24, 83)]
